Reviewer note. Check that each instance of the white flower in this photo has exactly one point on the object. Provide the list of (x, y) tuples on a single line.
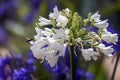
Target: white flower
[(49, 49), (102, 24), (52, 58), (49, 45), (55, 14), (105, 50), (97, 22), (38, 48), (87, 53), (67, 12), (61, 21), (44, 21), (55, 49), (95, 17), (52, 53), (95, 54), (109, 37), (66, 33), (40, 33), (61, 35)]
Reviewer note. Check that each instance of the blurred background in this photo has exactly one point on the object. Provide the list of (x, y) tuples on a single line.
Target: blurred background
[(17, 23)]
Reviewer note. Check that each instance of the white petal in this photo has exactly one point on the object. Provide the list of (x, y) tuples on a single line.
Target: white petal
[(109, 37), (102, 24), (44, 21), (67, 12), (87, 53), (95, 54), (52, 58), (39, 34), (55, 14), (105, 50), (95, 17), (63, 49), (61, 21)]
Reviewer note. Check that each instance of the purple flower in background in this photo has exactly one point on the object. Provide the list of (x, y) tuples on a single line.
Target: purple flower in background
[(3, 35), (82, 75), (79, 74), (5, 70), (17, 68), (2, 76), (89, 76), (35, 4), (21, 74), (7, 9), (61, 72)]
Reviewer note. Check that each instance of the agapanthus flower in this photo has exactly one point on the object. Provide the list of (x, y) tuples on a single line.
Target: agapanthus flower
[(89, 53), (95, 17), (97, 22), (109, 37), (106, 50), (49, 47), (69, 29), (101, 24), (60, 19)]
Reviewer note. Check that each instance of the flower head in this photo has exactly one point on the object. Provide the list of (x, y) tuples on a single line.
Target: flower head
[(69, 29)]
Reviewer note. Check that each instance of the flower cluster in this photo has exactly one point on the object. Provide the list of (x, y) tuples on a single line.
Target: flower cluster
[(69, 29), (15, 68)]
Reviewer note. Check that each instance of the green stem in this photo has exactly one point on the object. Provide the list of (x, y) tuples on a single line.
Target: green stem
[(97, 67), (72, 62)]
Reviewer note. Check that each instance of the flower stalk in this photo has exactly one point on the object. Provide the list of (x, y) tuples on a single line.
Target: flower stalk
[(72, 62)]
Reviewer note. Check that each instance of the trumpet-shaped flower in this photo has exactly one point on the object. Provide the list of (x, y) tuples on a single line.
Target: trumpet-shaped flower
[(101, 24), (55, 13), (39, 48), (95, 17), (89, 53), (109, 37), (48, 49), (61, 34), (49, 45), (43, 33), (61, 21), (44, 21), (105, 50)]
